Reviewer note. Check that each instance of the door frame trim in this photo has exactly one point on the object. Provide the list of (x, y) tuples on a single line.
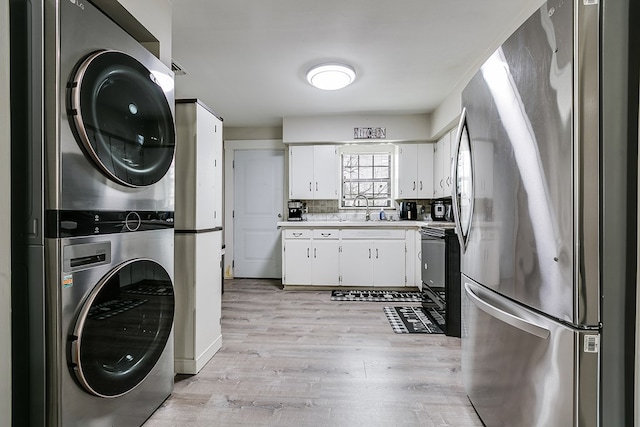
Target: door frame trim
[(230, 147)]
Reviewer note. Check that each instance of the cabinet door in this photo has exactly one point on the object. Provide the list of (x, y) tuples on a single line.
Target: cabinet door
[(297, 265), (301, 172), (389, 263), (438, 178), (356, 263), (325, 262), (425, 171), (407, 171), (446, 159), (217, 164), (325, 175)]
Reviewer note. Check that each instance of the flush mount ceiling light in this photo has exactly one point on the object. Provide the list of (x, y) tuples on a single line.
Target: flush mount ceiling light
[(331, 76)]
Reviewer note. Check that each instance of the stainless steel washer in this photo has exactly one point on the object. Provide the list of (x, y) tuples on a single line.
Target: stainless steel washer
[(114, 345)]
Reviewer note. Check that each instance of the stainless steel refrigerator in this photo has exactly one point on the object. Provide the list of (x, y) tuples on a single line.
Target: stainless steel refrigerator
[(199, 235), (529, 211)]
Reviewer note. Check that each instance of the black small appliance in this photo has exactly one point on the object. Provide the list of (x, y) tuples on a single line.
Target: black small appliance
[(296, 207), (408, 211), (438, 210), (441, 210)]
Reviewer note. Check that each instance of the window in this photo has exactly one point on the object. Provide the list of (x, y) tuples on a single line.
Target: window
[(366, 173)]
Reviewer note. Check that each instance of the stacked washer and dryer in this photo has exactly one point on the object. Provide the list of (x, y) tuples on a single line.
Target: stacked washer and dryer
[(93, 183)]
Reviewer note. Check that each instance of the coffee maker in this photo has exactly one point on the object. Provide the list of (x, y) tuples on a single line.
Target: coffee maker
[(296, 208), (408, 211)]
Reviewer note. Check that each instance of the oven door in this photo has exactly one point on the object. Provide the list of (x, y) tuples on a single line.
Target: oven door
[(433, 266)]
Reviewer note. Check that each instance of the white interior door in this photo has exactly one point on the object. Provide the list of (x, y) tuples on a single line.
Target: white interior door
[(258, 206)]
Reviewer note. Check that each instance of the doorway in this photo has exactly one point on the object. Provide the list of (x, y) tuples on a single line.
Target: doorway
[(258, 205)]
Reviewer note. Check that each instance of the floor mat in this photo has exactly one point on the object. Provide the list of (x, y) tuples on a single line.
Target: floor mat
[(436, 315), (411, 320), (375, 296)]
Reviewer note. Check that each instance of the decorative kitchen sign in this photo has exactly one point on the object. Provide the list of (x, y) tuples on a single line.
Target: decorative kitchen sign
[(369, 133)]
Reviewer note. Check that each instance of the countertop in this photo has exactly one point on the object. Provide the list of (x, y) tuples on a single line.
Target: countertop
[(364, 224)]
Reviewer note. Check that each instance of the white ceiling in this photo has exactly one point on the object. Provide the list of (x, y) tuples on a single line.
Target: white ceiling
[(247, 59)]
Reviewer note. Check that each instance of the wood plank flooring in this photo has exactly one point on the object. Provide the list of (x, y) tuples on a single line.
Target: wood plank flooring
[(296, 358)]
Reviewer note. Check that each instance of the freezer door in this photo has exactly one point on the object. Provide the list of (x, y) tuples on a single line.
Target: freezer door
[(534, 226), (524, 369)]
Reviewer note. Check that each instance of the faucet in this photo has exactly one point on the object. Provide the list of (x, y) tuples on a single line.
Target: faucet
[(367, 215)]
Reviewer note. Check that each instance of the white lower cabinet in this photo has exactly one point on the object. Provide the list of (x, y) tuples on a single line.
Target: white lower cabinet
[(373, 257), (310, 257), (297, 262), (198, 298), (389, 263), (356, 267), (372, 263), (347, 257), (326, 257)]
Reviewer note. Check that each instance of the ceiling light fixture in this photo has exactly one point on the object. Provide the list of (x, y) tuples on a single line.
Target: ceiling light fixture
[(331, 76)]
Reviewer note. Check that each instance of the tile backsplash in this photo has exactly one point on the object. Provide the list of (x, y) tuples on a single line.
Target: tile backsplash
[(321, 210)]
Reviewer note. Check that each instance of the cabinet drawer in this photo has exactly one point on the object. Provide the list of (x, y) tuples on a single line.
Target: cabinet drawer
[(370, 233), (297, 233), (325, 234)]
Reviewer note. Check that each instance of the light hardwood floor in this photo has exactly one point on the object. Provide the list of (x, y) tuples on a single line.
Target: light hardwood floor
[(296, 358)]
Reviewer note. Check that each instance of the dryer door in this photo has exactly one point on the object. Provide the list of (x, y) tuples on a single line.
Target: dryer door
[(121, 118), (123, 328)]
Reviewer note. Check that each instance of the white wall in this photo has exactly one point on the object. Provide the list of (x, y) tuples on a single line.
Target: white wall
[(446, 115), (148, 22), (5, 230), (156, 18), (339, 128)]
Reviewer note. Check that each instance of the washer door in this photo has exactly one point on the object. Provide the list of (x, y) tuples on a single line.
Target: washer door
[(121, 117), (123, 328)]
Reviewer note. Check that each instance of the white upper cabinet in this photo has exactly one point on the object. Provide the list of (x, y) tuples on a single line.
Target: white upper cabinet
[(313, 172), (443, 156), (198, 161), (425, 171), (415, 171)]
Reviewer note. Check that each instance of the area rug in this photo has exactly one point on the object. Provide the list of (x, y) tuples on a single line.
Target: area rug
[(375, 296), (411, 320), (436, 315)]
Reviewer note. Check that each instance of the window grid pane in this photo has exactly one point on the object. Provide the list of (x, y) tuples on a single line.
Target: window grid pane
[(367, 174)]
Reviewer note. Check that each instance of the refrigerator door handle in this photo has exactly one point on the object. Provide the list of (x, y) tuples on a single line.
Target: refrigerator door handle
[(462, 196), (508, 318)]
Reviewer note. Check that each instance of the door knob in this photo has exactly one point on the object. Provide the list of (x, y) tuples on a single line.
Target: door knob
[(279, 215)]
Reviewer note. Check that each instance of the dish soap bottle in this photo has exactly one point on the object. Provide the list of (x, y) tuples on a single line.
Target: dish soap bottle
[(383, 216)]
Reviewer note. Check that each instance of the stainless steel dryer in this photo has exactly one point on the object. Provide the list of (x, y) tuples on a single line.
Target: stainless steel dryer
[(113, 117)]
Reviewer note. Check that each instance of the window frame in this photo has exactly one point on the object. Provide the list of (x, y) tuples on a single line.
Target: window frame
[(363, 150)]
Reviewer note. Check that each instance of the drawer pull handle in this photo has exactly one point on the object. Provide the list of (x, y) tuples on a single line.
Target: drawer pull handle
[(325, 234), (297, 234)]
